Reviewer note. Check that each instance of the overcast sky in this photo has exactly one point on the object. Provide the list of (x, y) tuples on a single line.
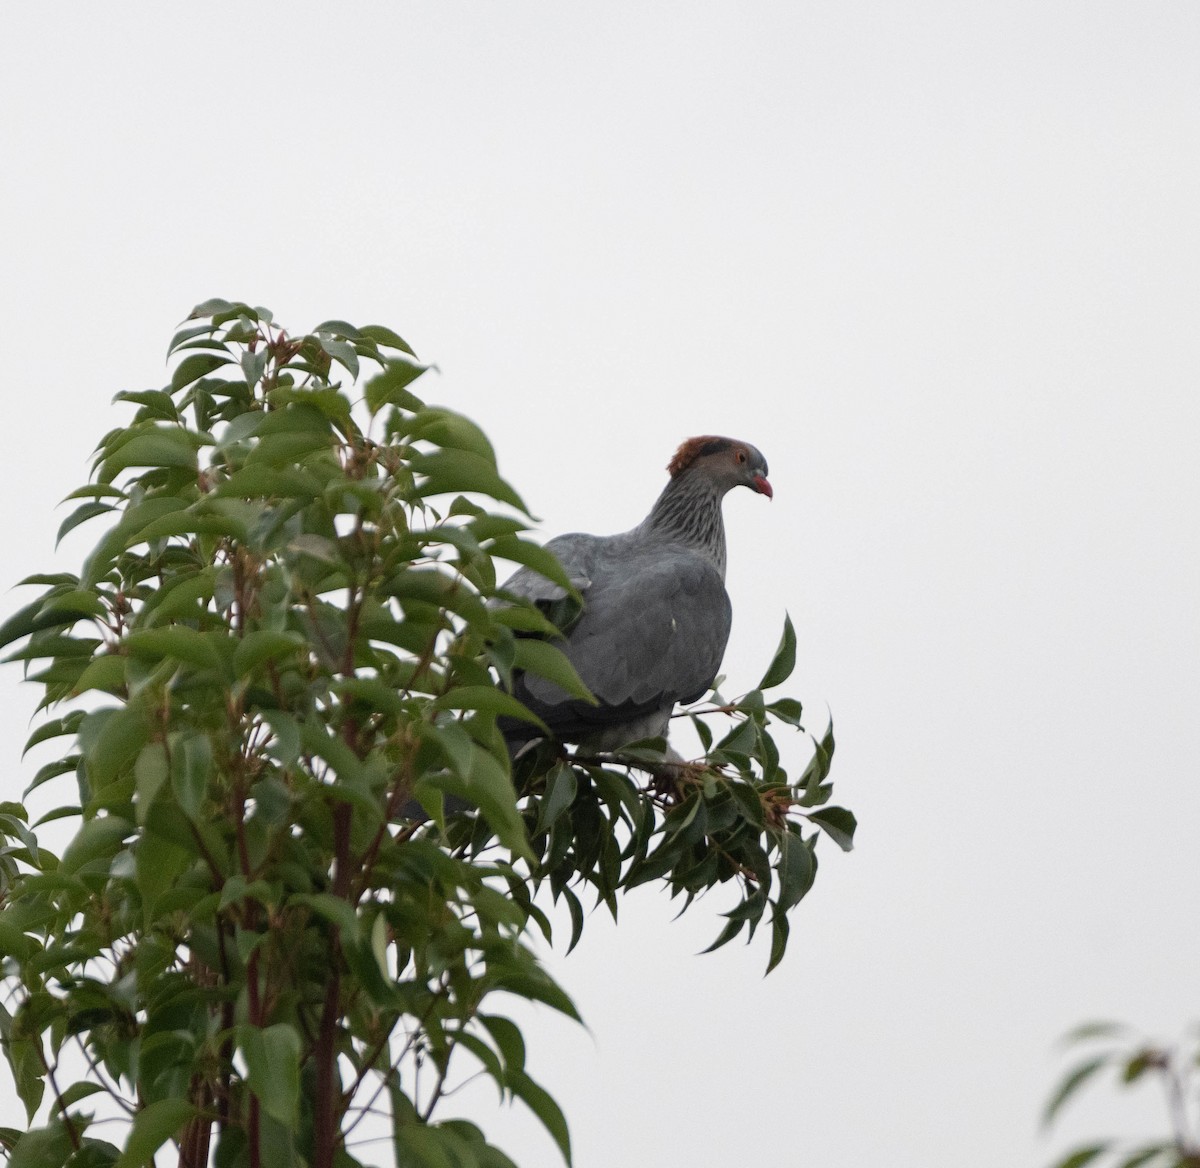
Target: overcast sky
[(939, 261)]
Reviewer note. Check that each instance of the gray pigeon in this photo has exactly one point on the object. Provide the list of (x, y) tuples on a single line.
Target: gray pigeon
[(655, 616)]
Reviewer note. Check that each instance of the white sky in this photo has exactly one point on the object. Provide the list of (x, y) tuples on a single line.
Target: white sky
[(938, 261)]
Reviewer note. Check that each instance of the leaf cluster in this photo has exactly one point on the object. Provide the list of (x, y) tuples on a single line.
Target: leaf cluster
[(733, 817), (1113, 1048)]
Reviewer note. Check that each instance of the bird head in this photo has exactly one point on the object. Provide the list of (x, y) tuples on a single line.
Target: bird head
[(726, 461)]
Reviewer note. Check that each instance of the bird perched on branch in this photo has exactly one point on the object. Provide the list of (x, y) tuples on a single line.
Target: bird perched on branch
[(655, 615)]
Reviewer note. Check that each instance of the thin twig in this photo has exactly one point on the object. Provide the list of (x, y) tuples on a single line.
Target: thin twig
[(110, 1088), (409, 1043)]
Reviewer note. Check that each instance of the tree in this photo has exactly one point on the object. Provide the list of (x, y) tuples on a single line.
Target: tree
[(1111, 1046), (287, 638)]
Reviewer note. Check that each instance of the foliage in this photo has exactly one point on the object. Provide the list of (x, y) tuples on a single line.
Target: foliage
[(1112, 1047), (288, 641)]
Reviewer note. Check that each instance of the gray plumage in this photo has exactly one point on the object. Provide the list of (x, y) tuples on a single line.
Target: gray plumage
[(655, 617)]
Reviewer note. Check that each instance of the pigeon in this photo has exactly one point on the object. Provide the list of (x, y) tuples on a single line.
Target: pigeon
[(655, 616)]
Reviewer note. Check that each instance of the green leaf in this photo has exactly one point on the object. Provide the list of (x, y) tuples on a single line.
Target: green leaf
[(1143, 1156), (342, 352), (446, 428), (388, 387), (787, 710), (812, 781), (796, 869), (150, 772), (213, 307), (12, 825), (25, 1055), (167, 446), (1095, 1029), (1138, 1064), (544, 660), (152, 1127), (80, 515), (55, 728), (657, 864), (1071, 1083), (448, 471), (740, 740), (561, 788), (339, 328), (544, 1107), (186, 334), (264, 645), (23, 622), (279, 450), (64, 812), (319, 741), (825, 754), (779, 940), (576, 910), (752, 704), (14, 942), (382, 335), (484, 1053), (329, 402), (77, 1091), (49, 644), (96, 842), (273, 1068), (191, 767), (194, 367), (124, 733), (838, 823), (253, 366), (488, 699), (92, 491), (1083, 1156), (525, 618), (535, 984), (486, 785), (784, 660), (79, 601), (435, 587), (154, 403), (419, 1145), (191, 521), (42, 1147), (376, 696), (179, 598), (532, 555), (124, 535), (333, 909), (60, 766), (506, 1034), (187, 646), (160, 855), (285, 746)]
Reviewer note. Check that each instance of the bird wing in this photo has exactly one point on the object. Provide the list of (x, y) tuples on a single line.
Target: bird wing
[(653, 630), (575, 552)]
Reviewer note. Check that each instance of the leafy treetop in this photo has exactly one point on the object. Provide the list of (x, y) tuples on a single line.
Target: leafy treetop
[(288, 638)]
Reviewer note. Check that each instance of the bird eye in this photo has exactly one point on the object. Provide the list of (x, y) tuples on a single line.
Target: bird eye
[(741, 456)]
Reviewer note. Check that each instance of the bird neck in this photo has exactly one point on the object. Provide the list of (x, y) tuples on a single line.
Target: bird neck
[(689, 512)]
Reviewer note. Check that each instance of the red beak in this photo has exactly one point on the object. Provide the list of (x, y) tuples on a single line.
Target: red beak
[(763, 487)]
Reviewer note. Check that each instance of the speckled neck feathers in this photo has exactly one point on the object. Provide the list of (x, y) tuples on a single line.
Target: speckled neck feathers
[(688, 512)]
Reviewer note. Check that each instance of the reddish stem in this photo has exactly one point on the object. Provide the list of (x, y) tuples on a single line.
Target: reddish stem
[(325, 1052)]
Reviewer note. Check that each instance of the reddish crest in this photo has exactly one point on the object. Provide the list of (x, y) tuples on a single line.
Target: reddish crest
[(693, 448)]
